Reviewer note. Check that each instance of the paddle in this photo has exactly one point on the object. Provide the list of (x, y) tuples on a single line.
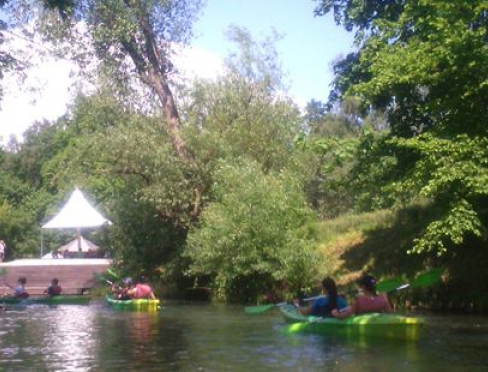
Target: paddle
[(4, 274), (427, 278), (386, 286), (113, 274), (392, 285), (422, 280), (108, 274), (262, 308)]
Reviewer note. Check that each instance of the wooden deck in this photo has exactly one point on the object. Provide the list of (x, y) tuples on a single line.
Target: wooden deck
[(75, 275)]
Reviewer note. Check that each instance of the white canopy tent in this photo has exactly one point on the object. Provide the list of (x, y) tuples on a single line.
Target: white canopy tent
[(72, 246), (77, 213)]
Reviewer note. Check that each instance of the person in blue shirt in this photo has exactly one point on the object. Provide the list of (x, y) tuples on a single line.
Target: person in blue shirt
[(323, 306)]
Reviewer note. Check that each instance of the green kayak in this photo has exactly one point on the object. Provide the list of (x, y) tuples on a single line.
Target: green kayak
[(390, 326), (134, 305), (47, 300)]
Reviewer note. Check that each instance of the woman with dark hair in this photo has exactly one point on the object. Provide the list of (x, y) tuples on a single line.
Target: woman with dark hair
[(368, 302), (323, 306)]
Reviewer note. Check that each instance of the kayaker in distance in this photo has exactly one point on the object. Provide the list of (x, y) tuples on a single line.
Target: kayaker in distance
[(54, 289), (3, 247), (368, 302), (124, 291), (121, 293), (20, 291), (141, 290), (325, 305)]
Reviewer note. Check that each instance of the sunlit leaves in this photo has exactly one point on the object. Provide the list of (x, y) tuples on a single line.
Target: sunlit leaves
[(254, 231), (426, 65)]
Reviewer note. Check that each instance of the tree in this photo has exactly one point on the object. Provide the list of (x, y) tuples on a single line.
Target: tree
[(9, 60), (424, 63), (254, 236), (130, 39), (245, 111), (139, 36)]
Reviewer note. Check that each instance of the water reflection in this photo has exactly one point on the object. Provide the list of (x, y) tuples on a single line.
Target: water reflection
[(69, 338), (44, 338), (139, 341), (216, 338)]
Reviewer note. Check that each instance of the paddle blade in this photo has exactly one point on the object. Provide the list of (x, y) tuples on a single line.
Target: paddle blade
[(258, 309), (427, 279), (112, 274), (294, 328), (389, 285)]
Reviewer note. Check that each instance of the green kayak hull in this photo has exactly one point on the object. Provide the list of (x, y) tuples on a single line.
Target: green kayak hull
[(389, 326), (47, 300), (134, 305)]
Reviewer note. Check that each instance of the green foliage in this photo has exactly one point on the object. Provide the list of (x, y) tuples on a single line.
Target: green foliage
[(329, 190), (239, 113), (255, 62), (337, 139), (252, 237), (336, 228), (453, 172), (359, 14), (64, 7), (458, 221), (20, 207), (424, 63), (127, 162)]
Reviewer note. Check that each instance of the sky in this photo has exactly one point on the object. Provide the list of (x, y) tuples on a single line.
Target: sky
[(308, 46)]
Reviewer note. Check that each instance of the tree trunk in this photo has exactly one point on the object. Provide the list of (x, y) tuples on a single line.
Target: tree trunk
[(170, 113)]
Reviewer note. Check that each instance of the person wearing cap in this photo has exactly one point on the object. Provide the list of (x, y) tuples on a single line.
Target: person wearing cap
[(323, 306), (368, 302)]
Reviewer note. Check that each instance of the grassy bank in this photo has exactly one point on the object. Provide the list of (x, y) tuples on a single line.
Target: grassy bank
[(378, 243)]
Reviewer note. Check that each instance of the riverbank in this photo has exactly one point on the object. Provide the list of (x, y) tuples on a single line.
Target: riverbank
[(379, 243)]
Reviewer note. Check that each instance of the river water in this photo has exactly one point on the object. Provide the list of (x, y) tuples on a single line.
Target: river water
[(197, 337)]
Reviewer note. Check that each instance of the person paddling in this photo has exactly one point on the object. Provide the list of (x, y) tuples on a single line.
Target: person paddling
[(325, 305), (368, 302), (54, 289), (142, 290), (20, 291)]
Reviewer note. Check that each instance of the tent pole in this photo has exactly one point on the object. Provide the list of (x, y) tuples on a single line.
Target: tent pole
[(78, 236), (42, 244)]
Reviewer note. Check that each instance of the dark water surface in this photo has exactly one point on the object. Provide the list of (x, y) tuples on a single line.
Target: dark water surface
[(195, 337)]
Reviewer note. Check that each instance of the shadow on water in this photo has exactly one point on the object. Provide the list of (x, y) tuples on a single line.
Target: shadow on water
[(189, 337)]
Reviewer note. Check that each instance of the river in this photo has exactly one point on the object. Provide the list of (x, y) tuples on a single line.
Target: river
[(204, 337)]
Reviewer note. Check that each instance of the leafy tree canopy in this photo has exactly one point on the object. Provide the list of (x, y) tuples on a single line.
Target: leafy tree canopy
[(424, 63), (254, 235)]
